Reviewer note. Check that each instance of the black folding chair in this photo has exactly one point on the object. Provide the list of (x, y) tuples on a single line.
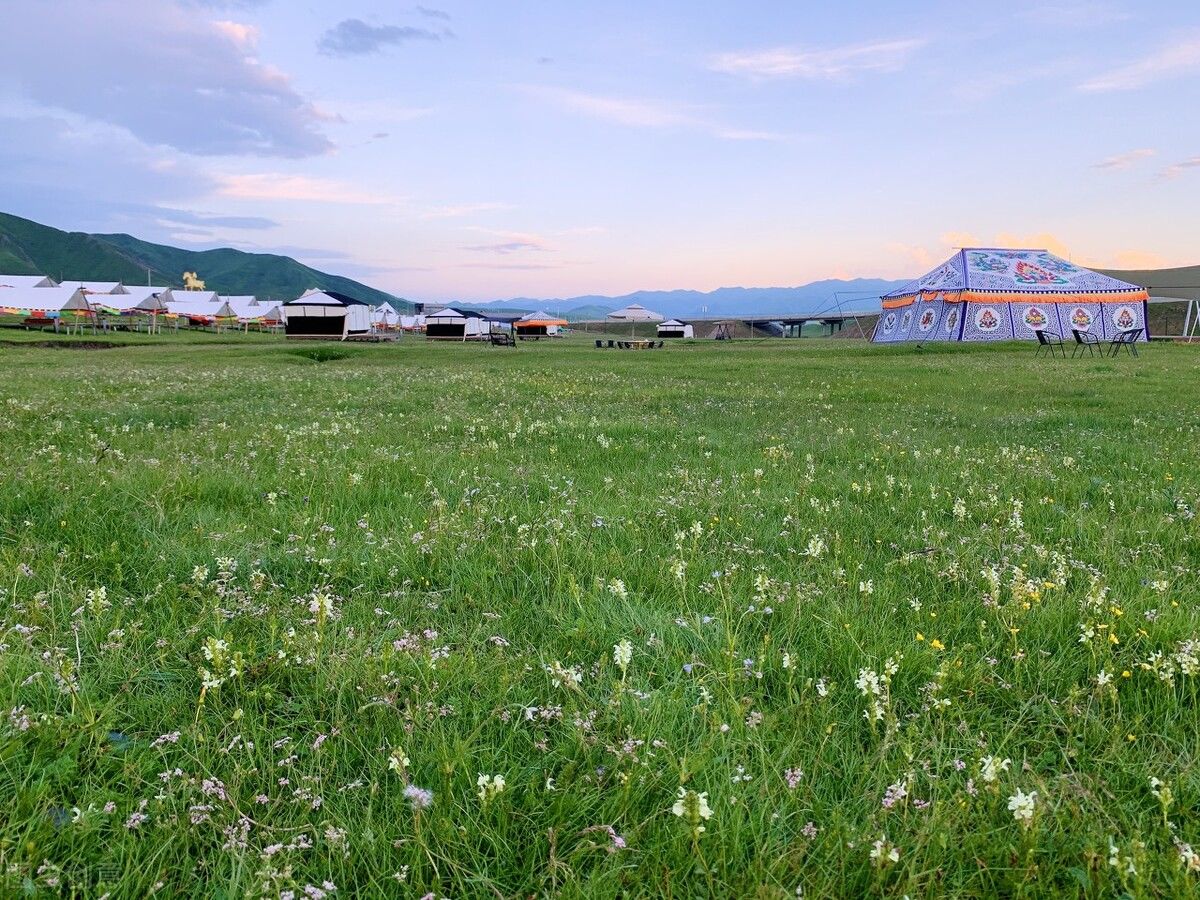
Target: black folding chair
[(1127, 339), (1085, 340), (1049, 340)]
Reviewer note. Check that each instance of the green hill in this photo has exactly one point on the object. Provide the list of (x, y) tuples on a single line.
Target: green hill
[(28, 248)]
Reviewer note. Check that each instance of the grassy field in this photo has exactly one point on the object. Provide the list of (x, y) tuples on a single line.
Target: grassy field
[(753, 620)]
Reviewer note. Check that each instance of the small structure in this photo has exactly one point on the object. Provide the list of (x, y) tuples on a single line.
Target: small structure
[(452, 324), (987, 294), (191, 282), (201, 314), (538, 324), (326, 314), (721, 332), (252, 311), (635, 312), (27, 281), (673, 328)]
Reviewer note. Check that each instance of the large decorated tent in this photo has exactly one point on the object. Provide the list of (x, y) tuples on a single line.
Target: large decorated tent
[(455, 324), (983, 294)]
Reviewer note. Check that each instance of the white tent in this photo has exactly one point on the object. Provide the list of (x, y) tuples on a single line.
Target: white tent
[(96, 287), (412, 323), (326, 314), (201, 313), (635, 312), (249, 309), (49, 301), (384, 316), (134, 300), (27, 281), (192, 297), (673, 328), (456, 325)]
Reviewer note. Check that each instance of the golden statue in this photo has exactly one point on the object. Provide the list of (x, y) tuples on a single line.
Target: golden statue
[(191, 282)]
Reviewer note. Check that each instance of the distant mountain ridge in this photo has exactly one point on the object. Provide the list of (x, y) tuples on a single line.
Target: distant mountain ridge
[(29, 248), (853, 295)]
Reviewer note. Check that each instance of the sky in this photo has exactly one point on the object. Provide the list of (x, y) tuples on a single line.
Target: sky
[(488, 149)]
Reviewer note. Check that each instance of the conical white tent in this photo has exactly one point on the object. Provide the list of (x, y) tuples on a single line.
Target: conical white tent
[(986, 294)]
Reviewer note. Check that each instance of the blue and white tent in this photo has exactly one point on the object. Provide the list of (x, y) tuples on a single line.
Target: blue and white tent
[(986, 294)]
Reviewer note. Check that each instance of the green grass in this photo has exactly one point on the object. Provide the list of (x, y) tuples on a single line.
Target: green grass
[(404, 548)]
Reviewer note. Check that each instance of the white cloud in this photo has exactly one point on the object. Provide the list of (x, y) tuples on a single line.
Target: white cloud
[(1179, 168), (281, 186), (1123, 160), (638, 113), (826, 64), (1169, 62)]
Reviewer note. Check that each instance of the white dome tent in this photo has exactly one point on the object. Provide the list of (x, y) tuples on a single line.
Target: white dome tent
[(635, 312)]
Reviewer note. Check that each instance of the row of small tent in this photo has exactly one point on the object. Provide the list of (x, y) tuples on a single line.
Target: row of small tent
[(41, 297)]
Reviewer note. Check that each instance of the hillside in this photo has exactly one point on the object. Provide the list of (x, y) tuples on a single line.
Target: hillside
[(27, 247)]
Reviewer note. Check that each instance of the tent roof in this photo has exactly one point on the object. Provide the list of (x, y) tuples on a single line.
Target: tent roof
[(315, 297), (95, 287), (199, 308), (671, 322), (1182, 283), (636, 312), (1012, 272), (27, 281), (194, 296), (46, 299)]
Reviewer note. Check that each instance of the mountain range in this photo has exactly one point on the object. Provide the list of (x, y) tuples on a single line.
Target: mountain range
[(29, 248), (854, 295)]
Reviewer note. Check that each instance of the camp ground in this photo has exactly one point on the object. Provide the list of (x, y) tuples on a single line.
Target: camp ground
[(985, 294), (328, 315)]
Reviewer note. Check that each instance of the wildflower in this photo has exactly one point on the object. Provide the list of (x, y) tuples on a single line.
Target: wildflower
[(1022, 806), (398, 761), (792, 776), (694, 807), (617, 588), (866, 587), (894, 794), (417, 797), (816, 547), (489, 786), (1103, 678), (623, 656), (786, 660), (754, 719), (884, 852), (990, 768), (809, 830), (960, 509), (1188, 858)]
